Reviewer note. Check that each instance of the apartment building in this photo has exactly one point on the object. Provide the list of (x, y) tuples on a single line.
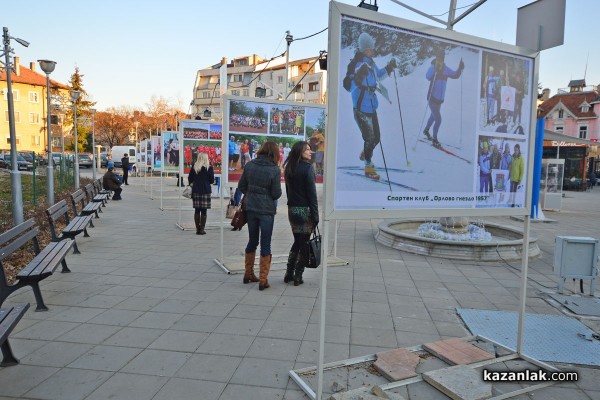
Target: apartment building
[(29, 98), (252, 76)]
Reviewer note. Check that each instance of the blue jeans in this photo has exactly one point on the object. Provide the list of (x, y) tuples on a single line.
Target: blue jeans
[(260, 226)]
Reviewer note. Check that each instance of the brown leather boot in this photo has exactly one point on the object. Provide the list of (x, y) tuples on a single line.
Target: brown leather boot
[(265, 266), (249, 273), (202, 224), (197, 222)]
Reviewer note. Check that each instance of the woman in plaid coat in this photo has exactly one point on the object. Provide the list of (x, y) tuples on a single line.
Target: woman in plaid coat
[(201, 177)]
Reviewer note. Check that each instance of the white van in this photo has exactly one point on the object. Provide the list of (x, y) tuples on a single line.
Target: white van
[(117, 152)]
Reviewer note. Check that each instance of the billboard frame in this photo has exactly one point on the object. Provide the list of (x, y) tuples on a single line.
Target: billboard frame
[(334, 89)]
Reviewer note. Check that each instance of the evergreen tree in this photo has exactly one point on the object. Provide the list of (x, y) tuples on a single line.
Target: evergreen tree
[(84, 116)]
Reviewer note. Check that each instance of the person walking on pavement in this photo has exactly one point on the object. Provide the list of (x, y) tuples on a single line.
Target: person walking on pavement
[(364, 100), (111, 182), (437, 75), (125, 166), (517, 171), (200, 178), (303, 208), (261, 185)]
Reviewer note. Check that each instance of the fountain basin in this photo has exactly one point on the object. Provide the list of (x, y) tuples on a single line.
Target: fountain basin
[(506, 244)]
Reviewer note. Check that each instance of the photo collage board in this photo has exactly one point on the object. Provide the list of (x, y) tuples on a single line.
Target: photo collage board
[(200, 136)]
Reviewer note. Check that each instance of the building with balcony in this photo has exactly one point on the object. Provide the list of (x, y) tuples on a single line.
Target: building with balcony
[(252, 76), (29, 98), (574, 114)]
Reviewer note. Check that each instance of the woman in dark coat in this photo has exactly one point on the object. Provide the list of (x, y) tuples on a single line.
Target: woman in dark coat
[(303, 209), (201, 177), (261, 185)]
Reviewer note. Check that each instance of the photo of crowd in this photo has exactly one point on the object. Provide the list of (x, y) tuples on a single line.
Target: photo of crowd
[(195, 133), (247, 117), (215, 132), (243, 148)]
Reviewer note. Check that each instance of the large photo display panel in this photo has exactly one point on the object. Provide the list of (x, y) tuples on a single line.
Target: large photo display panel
[(251, 123), (423, 122), (201, 137)]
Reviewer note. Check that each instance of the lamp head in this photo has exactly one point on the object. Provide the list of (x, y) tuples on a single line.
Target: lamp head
[(47, 66), (74, 94), (22, 42)]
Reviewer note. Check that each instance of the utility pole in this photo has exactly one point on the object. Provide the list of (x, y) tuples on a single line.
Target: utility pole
[(289, 39)]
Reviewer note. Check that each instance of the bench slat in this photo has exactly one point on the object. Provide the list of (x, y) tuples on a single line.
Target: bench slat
[(47, 261), (9, 318), (18, 243)]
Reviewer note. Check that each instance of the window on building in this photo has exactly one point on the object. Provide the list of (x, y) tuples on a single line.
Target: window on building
[(583, 132), (15, 95), (17, 116), (35, 140), (235, 92), (561, 114), (34, 118), (34, 97), (313, 87), (243, 61), (558, 129), (237, 77), (245, 92), (17, 140), (206, 95), (280, 79), (298, 88), (585, 108)]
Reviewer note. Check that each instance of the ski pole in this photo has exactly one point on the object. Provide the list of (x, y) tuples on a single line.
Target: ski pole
[(401, 122), (429, 92), (381, 147)]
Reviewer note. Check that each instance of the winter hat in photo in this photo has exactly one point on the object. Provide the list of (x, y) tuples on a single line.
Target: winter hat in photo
[(365, 42)]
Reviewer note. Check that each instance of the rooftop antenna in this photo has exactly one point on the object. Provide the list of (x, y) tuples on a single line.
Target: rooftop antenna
[(586, 64)]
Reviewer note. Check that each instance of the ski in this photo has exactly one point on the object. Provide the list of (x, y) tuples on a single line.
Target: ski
[(445, 150), (357, 168), (384, 181)]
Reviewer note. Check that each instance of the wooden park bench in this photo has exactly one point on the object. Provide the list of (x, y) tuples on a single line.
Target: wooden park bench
[(9, 318), (94, 196), (100, 190), (42, 266), (80, 200), (72, 227)]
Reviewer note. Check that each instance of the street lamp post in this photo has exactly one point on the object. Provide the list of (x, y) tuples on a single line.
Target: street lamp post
[(94, 162), (74, 96), (15, 175), (48, 66)]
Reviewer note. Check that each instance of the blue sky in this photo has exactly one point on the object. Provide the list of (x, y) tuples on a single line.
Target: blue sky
[(129, 50)]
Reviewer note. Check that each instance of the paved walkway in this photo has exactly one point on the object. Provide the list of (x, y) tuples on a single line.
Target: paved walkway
[(147, 314)]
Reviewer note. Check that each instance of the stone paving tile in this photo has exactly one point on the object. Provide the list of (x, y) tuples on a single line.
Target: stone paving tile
[(69, 384), (333, 333), (283, 330), (134, 337), (116, 317), (222, 344), (138, 304), (122, 386), (46, 330), (56, 354), (209, 367), (213, 309), (190, 389), (382, 309), (233, 391), (160, 320), (179, 341), (90, 333), (105, 358), (262, 372), (157, 362), (240, 326), (197, 323), (17, 380), (373, 337)]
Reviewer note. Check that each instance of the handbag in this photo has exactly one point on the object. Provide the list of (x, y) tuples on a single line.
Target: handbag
[(314, 249), (231, 209), (187, 192), (239, 217)]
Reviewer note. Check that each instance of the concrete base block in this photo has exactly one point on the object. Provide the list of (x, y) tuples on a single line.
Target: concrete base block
[(457, 352), (397, 364), (459, 383)]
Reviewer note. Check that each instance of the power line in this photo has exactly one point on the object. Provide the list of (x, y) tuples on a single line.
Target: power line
[(457, 8), (309, 36)]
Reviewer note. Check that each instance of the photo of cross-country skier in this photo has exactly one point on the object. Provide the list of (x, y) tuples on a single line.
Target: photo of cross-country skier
[(505, 94), (407, 120)]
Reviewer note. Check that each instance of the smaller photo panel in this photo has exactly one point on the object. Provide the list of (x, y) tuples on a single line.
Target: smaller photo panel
[(287, 120), (505, 94), (248, 117), (215, 132), (501, 172), (170, 151), (192, 147), (196, 132)]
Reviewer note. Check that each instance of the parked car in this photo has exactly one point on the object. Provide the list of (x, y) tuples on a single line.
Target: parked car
[(28, 156), (85, 160), (22, 164), (3, 163)]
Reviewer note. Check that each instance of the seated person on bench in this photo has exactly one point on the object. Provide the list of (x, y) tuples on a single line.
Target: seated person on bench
[(111, 182)]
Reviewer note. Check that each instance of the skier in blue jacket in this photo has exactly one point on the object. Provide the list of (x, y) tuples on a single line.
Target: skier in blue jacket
[(437, 75), (364, 99)]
